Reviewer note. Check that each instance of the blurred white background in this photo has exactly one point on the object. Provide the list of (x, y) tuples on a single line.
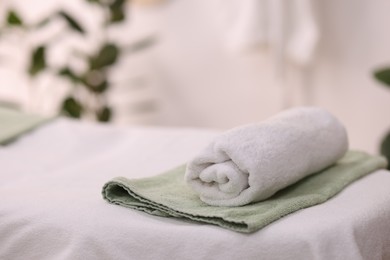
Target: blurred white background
[(193, 79)]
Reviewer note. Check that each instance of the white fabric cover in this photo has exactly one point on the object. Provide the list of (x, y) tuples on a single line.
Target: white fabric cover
[(51, 205)]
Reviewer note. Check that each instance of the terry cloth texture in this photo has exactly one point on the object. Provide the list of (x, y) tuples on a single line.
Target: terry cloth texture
[(14, 123), (252, 162), (168, 195)]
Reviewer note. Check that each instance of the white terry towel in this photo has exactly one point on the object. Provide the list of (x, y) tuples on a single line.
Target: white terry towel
[(253, 162)]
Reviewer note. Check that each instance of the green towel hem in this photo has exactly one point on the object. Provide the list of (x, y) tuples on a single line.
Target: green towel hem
[(14, 124)]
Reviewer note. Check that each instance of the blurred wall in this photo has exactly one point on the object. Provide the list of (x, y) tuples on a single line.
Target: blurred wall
[(196, 81), (211, 86), (355, 42)]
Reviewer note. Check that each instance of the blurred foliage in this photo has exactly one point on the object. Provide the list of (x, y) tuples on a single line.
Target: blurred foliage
[(117, 13), (37, 61), (72, 107), (13, 19), (69, 74), (106, 56), (71, 22), (104, 115), (385, 147), (94, 79), (383, 76)]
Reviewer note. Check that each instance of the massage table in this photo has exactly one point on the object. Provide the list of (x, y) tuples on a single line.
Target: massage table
[(52, 208)]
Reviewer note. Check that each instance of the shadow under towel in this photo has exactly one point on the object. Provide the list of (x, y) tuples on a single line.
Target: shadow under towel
[(167, 195)]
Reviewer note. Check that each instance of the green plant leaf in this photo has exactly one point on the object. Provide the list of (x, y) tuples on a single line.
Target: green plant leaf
[(71, 107), (98, 87), (73, 24), (117, 4), (37, 61), (385, 148), (13, 19), (107, 56), (95, 81), (383, 75), (101, 88), (69, 74), (104, 114), (95, 1), (142, 44), (117, 11), (117, 15)]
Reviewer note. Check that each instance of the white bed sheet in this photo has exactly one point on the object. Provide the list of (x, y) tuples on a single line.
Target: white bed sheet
[(51, 205)]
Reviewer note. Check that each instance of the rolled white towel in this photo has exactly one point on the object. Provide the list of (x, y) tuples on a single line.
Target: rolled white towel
[(252, 162)]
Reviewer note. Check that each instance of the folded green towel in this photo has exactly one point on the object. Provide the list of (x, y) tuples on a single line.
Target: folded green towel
[(167, 195), (14, 123)]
